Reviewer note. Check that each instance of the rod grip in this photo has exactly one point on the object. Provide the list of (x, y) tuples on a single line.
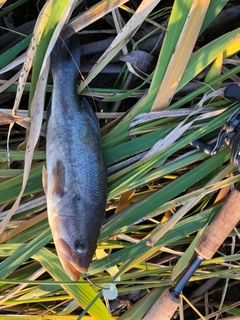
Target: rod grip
[(163, 308), (220, 227)]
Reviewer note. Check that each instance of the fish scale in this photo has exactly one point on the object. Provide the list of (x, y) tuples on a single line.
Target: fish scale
[(76, 179)]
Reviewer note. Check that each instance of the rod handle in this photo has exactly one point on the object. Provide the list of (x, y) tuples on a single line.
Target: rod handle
[(218, 230), (163, 308)]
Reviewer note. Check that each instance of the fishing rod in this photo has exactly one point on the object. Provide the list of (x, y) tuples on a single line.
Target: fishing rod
[(218, 230)]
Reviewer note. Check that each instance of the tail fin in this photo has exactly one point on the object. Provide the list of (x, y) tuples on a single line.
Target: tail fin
[(65, 57)]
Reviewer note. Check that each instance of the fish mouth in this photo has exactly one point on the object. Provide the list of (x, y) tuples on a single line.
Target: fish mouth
[(68, 261)]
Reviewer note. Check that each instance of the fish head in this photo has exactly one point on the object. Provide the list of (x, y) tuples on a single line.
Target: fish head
[(75, 223), (74, 239)]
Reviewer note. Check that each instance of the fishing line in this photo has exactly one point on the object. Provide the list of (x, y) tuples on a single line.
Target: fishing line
[(94, 284), (109, 291)]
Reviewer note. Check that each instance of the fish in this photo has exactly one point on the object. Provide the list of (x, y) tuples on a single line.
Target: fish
[(75, 181)]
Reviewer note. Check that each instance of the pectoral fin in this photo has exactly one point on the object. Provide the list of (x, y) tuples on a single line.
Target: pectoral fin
[(44, 179), (58, 178)]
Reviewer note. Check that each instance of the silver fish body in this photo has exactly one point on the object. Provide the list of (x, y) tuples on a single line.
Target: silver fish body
[(76, 180)]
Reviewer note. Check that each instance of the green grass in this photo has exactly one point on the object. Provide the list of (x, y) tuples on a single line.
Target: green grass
[(168, 195)]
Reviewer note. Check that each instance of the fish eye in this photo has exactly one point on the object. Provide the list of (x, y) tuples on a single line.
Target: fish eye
[(80, 246)]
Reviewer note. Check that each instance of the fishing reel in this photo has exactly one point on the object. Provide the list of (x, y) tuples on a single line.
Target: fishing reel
[(229, 134)]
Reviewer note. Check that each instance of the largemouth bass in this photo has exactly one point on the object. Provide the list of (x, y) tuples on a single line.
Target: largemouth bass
[(76, 180)]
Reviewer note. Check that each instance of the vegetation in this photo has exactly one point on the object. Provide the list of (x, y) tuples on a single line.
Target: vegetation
[(161, 192)]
